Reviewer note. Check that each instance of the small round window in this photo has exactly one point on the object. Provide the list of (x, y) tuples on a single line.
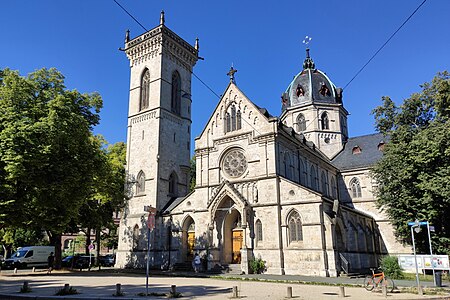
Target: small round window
[(234, 163)]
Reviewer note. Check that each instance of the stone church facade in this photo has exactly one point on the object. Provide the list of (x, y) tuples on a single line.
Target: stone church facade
[(293, 190)]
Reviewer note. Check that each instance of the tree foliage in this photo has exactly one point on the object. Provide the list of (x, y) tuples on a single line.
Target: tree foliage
[(192, 174), (414, 173), (51, 165)]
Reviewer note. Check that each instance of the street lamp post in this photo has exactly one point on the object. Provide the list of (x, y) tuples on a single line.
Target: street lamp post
[(416, 225), (431, 253)]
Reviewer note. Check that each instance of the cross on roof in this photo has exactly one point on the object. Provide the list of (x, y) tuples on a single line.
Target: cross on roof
[(307, 40), (231, 74)]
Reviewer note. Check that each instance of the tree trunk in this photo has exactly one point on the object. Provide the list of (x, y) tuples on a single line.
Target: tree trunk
[(97, 238), (58, 252), (97, 250)]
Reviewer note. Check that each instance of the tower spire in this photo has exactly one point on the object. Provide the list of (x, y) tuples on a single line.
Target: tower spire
[(308, 63)]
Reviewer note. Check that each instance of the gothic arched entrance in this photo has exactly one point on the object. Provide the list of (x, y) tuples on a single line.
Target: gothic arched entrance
[(188, 239), (233, 237), (229, 211)]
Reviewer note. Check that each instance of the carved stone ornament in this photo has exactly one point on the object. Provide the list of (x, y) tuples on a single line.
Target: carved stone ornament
[(234, 163)]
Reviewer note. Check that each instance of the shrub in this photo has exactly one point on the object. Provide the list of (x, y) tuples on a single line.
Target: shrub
[(257, 265), (64, 291), (390, 267)]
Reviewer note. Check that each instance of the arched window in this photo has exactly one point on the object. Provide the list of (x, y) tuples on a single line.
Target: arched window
[(173, 184), (238, 120), (227, 122), (295, 227), (361, 239), (333, 188), (140, 183), (301, 123), (352, 234), (233, 119), (369, 239), (303, 173), (176, 93), (324, 179), (145, 90), (314, 178), (325, 122), (135, 237), (355, 187), (258, 231), (68, 243), (287, 164)]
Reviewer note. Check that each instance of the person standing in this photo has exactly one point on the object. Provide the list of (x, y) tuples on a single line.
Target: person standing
[(50, 262), (197, 263)]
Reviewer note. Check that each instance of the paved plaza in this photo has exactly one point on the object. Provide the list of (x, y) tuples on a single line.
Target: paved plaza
[(102, 285)]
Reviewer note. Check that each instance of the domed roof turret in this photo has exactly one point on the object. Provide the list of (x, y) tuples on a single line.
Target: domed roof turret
[(311, 85)]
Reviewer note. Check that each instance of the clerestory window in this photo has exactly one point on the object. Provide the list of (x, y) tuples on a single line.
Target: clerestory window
[(355, 187), (233, 120), (145, 90), (301, 123), (324, 121), (295, 227), (176, 93)]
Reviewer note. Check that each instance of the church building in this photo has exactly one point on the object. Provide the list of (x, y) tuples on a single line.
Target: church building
[(294, 190)]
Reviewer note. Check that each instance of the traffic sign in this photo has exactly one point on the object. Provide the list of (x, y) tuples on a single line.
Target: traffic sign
[(151, 218), (151, 221), (418, 223), (91, 247)]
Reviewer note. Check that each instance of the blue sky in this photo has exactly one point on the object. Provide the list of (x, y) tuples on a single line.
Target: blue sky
[(263, 39)]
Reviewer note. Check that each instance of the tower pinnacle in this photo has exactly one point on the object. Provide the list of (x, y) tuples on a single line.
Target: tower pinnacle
[(161, 18), (308, 63)]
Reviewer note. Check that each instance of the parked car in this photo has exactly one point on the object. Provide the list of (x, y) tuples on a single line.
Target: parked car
[(67, 261), (83, 262), (107, 260), (77, 261)]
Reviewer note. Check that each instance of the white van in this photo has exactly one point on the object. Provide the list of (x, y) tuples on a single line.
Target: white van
[(32, 256)]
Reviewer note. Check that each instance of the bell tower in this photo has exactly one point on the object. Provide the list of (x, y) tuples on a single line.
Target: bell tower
[(158, 133), (313, 106)]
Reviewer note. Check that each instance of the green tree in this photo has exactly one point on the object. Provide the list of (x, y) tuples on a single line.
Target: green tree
[(414, 173), (107, 192), (48, 156), (192, 174), (12, 238)]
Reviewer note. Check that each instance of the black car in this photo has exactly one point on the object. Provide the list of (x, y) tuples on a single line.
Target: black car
[(107, 260), (78, 262)]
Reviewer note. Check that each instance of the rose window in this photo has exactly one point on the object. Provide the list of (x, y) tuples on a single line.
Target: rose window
[(234, 163)]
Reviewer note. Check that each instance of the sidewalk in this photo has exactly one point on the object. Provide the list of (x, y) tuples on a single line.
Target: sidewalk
[(102, 285)]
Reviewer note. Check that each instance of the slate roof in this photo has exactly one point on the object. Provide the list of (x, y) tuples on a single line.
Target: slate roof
[(369, 155), (171, 204)]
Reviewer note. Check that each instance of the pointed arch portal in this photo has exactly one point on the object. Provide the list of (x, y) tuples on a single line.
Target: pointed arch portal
[(229, 231)]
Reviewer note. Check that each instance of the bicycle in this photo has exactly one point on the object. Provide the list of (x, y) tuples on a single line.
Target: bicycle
[(378, 279)]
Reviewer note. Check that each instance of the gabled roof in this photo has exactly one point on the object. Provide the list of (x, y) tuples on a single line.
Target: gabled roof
[(231, 85), (349, 159)]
